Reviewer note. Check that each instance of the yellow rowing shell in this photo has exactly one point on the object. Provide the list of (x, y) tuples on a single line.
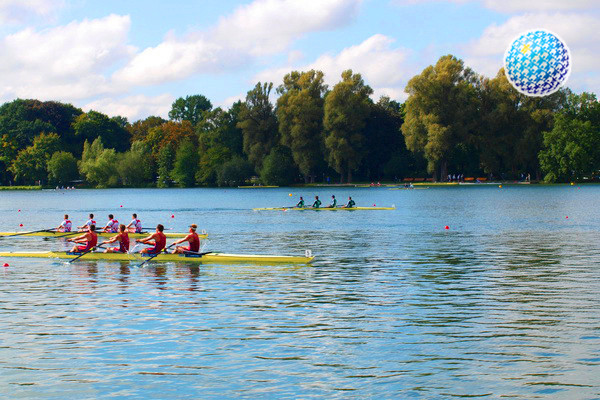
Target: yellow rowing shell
[(210, 258), (323, 209), (101, 234)]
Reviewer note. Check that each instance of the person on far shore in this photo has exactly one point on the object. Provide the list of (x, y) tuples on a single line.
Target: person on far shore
[(65, 226), (300, 203), (192, 238), (88, 223), (333, 203), (122, 238), (157, 239), (135, 226), (317, 202), (350, 203)]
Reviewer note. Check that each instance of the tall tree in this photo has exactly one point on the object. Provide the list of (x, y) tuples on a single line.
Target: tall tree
[(571, 148), (347, 108), (62, 168), (93, 124), (190, 108), (186, 164), (165, 161), (258, 123), (440, 112), (30, 165), (139, 129), (300, 114), (99, 165)]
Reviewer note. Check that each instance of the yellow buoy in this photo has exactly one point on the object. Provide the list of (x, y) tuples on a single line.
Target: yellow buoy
[(500, 186), (572, 183)]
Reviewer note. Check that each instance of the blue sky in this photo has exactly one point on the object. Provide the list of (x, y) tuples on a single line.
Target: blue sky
[(134, 58)]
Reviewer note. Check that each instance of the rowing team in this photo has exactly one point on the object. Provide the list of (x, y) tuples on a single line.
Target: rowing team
[(332, 204), (158, 240), (112, 226)]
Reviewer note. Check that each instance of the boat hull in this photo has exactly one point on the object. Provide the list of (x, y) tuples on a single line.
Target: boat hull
[(101, 234), (323, 209), (210, 258)]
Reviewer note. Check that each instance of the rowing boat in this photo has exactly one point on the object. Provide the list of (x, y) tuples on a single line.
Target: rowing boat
[(101, 234), (209, 258), (323, 209)]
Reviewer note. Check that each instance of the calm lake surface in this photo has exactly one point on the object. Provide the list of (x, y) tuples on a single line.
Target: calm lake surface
[(504, 304)]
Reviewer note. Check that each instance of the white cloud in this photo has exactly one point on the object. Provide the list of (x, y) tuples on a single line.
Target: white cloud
[(228, 102), (67, 62), (383, 67), (515, 6), (20, 11), (260, 28), (133, 107)]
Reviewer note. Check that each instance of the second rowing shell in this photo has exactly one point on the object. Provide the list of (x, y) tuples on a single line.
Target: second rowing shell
[(101, 234), (322, 209)]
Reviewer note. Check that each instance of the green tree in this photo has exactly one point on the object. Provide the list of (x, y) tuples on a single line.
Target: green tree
[(165, 161), (300, 115), (571, 148), (93, 124), (186, 164), (211, 162), (135, 167), (62, 168), (31, 163), (99, 165), (219, 128), (258, 123), (279, 168), (441, 112), (139, 129), (190, 108), (234, 172), (347, 108), (384, 141)]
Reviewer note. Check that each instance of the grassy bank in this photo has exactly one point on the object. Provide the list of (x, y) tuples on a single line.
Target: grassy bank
[(20, 188)]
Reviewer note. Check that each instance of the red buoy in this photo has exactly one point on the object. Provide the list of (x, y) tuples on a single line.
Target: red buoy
[(20, 224), (567, 217), (121, 205), (5, 265), (173, 216), (446, 227), (19, 210)]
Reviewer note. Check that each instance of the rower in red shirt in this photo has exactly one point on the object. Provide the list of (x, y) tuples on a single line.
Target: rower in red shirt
[(88, 240), (157, 239), (193, 240), (122, 238)]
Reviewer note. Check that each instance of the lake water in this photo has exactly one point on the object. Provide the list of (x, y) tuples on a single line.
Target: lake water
[(504, 304)]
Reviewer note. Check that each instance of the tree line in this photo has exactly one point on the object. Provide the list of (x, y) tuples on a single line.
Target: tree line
[(453, 122)]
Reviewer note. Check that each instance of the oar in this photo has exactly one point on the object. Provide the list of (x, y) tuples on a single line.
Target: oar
[(89, 251), (30, 232), (153, 229), (196, 253), (69, 234), (150, 258)]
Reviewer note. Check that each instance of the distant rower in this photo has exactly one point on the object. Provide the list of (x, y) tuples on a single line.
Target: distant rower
[(87, 224), (350, 203), (89, 238), (112, 226), (157, 239), (65, 226), (122, 238), (317, 202), (300, 203), (135, 226), (333, 203), (193, 240)]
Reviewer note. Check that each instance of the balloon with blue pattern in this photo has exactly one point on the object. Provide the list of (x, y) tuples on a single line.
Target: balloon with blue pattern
[(537, 63)]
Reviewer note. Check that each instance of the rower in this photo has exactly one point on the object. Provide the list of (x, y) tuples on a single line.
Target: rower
[(65, 226), (112, 226), (89, 238), (300, 203), (317, 202), (333, 203), (350, 203), (193, 240), (87, 224), (122, 238), (135, 226), (157, 239)]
